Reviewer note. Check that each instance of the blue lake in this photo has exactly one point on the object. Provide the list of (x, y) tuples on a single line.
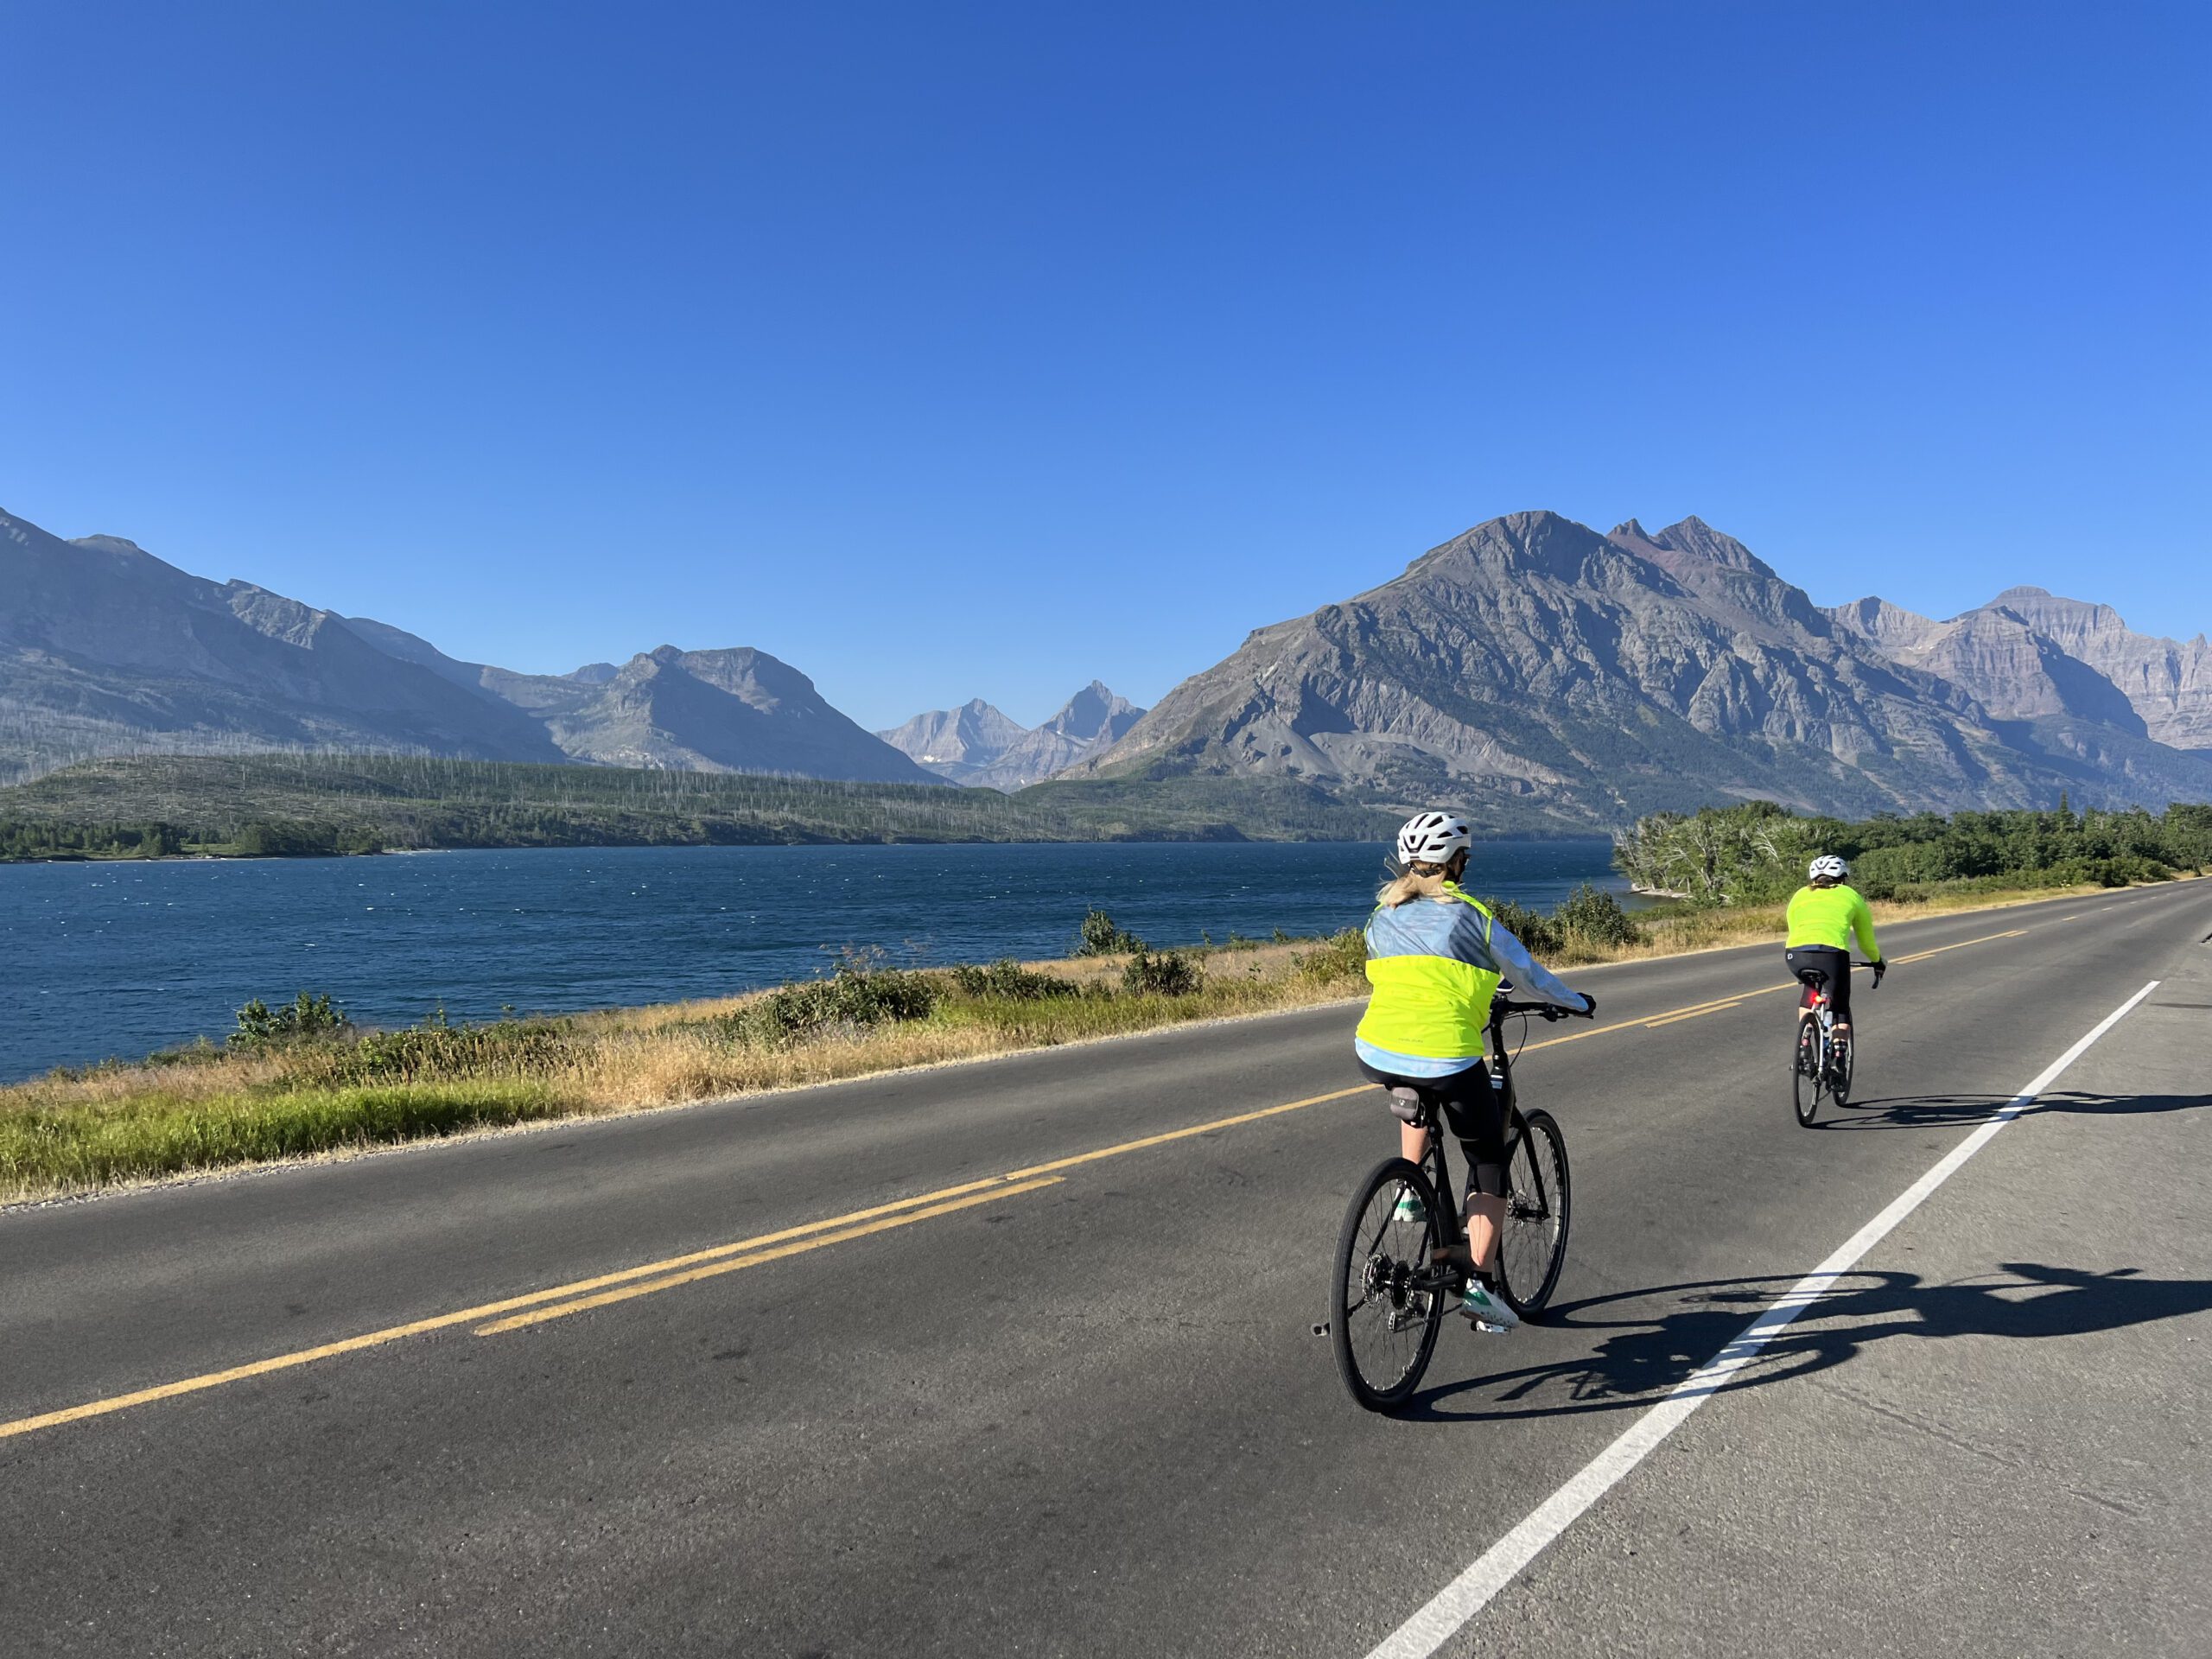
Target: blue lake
[(124, 958)]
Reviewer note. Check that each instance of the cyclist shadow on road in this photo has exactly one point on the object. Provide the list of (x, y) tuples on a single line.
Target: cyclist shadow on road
[(1964, 1111), (1639, 1360)]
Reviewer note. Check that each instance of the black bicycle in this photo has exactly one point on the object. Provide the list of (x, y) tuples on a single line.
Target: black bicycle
[(1393, 1285), (1821, 1062)]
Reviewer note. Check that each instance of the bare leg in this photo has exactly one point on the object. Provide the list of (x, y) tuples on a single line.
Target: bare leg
[(1486, 1215), (1412, 1142)]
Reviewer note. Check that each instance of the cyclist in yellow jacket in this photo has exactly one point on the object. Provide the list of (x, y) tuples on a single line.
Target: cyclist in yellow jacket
[(1435, 957), (1824, 916)]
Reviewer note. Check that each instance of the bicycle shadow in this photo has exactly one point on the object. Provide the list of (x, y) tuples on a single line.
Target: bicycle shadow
[(1644, 1359), (1965, 1111)]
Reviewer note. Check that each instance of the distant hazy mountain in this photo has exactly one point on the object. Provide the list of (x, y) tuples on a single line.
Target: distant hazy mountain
[(2166, 684), (974, 743), (739, 710), (1534, 662), (959, 744), (105, 649), (2014, 671)]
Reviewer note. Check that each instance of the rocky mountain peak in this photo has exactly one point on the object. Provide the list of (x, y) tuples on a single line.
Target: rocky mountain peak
[(976, 744), (111, 544), (1090, 713), (1688, 543)]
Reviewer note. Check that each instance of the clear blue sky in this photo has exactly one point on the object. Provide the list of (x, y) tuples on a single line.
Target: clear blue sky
[(949, 350)]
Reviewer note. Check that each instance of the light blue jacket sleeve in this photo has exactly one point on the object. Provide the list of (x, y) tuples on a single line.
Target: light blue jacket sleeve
[(1530, 979)]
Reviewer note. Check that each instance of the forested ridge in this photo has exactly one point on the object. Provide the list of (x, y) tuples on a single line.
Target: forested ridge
[(305, 804)]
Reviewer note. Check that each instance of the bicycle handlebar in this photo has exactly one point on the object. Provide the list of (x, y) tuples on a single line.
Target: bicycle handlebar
[(1501, 1005)]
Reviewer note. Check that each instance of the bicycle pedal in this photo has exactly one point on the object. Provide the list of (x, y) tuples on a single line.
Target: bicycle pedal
[(1322, 1329)]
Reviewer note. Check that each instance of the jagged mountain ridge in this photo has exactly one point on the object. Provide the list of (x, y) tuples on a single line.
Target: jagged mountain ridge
[(106, 648), (976, 744), (1599, 676), (2090, 662)]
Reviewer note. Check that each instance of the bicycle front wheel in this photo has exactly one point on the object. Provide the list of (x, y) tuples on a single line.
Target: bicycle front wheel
[(1386, 1304), (1539, 1204), (1805, 1073)]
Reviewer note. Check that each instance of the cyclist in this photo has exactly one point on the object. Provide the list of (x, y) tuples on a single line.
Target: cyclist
[(1822, 918), (1435, 957)]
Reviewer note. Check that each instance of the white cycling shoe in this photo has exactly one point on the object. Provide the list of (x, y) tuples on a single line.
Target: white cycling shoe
[(1488, 1311)]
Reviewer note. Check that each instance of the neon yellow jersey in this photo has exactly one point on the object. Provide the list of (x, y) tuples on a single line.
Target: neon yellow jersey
[(1830, 915), (1435, 964)]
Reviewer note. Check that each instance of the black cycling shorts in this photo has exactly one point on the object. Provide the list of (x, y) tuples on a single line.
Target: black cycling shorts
[(1472, 1108), (1835, 964)]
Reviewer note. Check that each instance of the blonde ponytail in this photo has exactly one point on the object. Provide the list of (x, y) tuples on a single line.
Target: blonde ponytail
[(1419, 882)]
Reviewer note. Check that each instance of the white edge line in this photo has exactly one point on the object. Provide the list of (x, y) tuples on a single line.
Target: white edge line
[(1466, 1595)]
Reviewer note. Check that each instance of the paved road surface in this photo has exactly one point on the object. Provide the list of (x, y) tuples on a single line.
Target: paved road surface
[(1080, 1411)]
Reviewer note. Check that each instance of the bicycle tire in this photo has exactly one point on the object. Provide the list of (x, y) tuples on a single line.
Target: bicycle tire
[(1539, 1209), (1805, 1073), (1383, 1356)]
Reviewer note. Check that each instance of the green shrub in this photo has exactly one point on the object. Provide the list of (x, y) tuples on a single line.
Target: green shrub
[(1591, 917), (1539, 933), (303, 1018), (852, 999), (1170, 973), (1341, 956), (1007, 978), (1098, 937)]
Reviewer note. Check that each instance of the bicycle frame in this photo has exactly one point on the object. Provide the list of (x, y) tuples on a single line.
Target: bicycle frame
[(1516, 1128)]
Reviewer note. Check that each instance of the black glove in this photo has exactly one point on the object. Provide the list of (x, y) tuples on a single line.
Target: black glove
[(1880, 967)]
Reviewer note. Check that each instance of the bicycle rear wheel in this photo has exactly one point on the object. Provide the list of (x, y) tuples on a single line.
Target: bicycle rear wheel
[(1385, 1307), (1805, 1073), (1539, 1204)]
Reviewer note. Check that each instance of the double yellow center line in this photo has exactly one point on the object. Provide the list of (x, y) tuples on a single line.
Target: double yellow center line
[(539, 1306)]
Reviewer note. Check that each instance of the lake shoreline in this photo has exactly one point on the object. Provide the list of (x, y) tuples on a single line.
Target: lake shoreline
[(344, 1093)]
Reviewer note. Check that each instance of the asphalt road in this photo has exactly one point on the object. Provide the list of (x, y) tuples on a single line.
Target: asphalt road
[(1081, 1411)]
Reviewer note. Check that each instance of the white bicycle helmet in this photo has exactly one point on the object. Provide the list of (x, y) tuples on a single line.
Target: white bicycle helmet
[(1829, 864), (1431, 838)]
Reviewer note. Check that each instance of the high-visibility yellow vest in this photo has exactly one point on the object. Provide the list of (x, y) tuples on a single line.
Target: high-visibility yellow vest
[(1434, 975)]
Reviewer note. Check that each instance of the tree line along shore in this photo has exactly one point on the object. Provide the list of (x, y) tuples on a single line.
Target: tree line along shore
[(298, 1079), (278, 806)]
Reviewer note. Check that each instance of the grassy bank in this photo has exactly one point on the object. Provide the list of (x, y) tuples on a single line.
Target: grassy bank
[(295, 1082)]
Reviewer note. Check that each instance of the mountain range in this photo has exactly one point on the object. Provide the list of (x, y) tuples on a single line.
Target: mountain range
[(976, 744), (106, 648), (1538, 673), (1534, 662)]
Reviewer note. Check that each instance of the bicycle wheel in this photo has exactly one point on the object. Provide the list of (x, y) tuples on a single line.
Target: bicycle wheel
[(1805, 1073), (1381, 1324), (1539, 1204)]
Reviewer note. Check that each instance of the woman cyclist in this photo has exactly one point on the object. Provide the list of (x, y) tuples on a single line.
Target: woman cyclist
[(1823, 918), (1435, 957)]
